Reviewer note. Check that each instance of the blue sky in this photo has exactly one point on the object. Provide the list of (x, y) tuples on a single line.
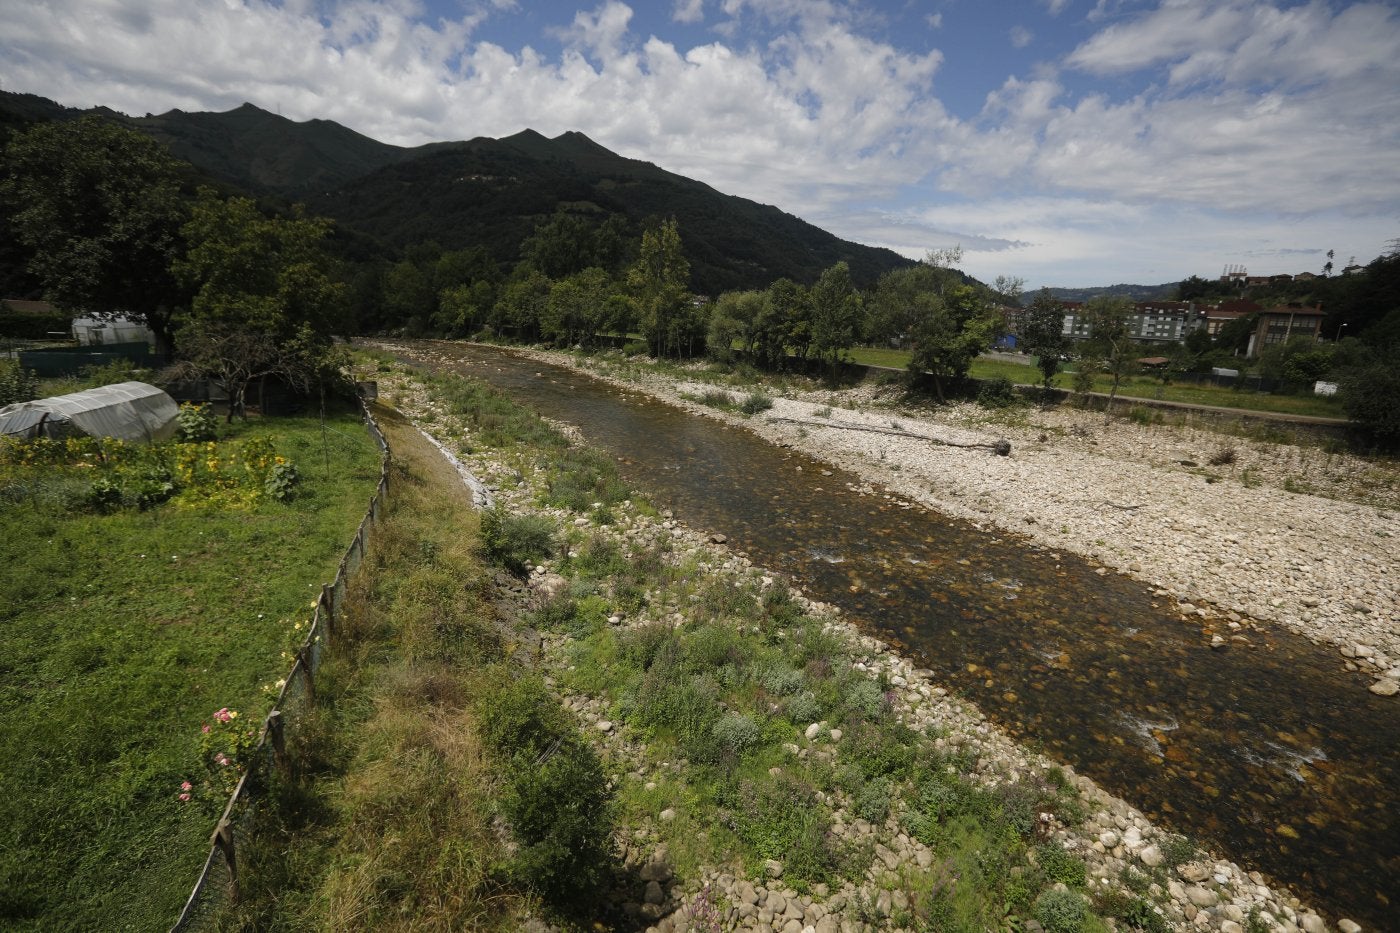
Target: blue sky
[(1068, 142)]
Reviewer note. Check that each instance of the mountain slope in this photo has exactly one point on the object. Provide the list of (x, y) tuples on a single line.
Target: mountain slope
[(487, 192)]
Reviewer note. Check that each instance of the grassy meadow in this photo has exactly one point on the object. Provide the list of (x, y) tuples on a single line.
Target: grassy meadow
[(125, 623)]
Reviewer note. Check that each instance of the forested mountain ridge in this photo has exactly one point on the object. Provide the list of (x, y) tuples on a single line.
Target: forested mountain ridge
[(486, 192)]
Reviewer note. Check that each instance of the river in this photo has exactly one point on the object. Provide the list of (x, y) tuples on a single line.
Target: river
[(1263, 753)]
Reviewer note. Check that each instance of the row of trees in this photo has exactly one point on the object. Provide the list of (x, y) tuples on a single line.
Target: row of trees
[(112, 225)]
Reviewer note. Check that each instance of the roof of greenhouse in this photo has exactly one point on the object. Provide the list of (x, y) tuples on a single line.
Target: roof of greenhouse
[(132, 411)]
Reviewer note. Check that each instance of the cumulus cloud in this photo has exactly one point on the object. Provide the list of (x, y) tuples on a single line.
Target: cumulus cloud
[(688, 11), (1218, 111), (1021, 36)]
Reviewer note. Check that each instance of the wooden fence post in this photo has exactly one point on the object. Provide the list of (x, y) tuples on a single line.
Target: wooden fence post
[(223, 838), (276, 731), (328, 608), (304, 656)]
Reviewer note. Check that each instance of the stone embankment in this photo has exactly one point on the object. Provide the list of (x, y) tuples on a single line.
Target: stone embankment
[(1270, 533), (1191, 890)]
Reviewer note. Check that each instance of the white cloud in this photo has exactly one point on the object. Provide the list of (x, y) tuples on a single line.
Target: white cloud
[(689, 11), (1021, 37), (934, 20), (1236, 110), (1056, 7)]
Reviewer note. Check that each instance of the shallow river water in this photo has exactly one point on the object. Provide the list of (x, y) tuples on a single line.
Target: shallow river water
[(1266, 753)]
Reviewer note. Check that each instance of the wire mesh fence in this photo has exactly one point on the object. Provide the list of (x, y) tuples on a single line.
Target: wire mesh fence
[(218, 882)]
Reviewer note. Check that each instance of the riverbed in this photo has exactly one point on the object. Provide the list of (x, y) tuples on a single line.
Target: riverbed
[(1255, 748)]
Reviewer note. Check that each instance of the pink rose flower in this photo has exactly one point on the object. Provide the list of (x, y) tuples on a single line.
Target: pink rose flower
[(204, 728), (185, 797), (186, 785)]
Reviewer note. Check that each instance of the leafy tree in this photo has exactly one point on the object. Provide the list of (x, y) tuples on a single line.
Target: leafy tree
[(463, 309), (955, 329), (1043, 333), (836, 310), (780, 318), (575, 309), (1299, 362), (1109, 348), (264, 303), (901, 298), (100, 209), (521, 303), (658, 281)]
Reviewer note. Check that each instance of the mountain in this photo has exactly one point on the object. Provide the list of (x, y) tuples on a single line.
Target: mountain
[(486, 192), (1136, 292)]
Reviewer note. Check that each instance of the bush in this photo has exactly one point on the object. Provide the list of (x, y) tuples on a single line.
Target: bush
[(515, 541), (782, 819), (754, 403), (560, 812), (735, 734), (196, 423), (1059, 865), (1060, 911), (997, 392), (282, 481), (804, 708), (635, 348), (17, 384), (864, 697), (873, 801), (1371, 398), (716, 399), (781, 680)]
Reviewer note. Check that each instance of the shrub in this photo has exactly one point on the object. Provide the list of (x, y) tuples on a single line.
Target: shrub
[(196, 423), (282, 481), (997, 392), (864, 697), (735, 734), (754, 403), (716, 399), (635, 348), (804, 708), (782, 819), (873, 801), (1061, 911), (518, 716), (515, 541), (1059, 865), (1223, 457), (17, 384), (781, 680), (560, 812)]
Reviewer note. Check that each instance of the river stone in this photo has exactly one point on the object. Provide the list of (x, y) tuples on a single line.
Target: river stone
[(773, 868), (605, 725), (1109, 839), (745, 893), (1312, 923), (827, 924), (1202, 897), (1348, 926), (1230, 926), (1193, 871), (1385, 688), (1151, 856), (654, 894), (667, 815)]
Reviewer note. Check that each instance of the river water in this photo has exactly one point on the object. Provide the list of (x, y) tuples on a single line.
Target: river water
[(1265, 753)]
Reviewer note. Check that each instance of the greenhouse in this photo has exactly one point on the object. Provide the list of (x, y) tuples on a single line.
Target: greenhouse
[(131, 411)]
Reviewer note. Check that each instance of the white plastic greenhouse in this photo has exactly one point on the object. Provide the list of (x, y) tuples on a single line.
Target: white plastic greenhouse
[(132, 411)]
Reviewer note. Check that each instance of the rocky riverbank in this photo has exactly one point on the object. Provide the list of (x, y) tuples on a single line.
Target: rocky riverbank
[(1239, 531), (1118, 844)]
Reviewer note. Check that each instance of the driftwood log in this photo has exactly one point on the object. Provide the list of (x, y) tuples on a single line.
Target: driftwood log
[(1001, 447)]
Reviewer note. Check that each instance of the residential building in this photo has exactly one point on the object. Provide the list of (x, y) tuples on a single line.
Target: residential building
[(1281, 324), (1148, 322), (1217, 316)]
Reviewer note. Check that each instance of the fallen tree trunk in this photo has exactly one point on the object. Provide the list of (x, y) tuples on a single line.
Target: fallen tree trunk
[(1000, 447)]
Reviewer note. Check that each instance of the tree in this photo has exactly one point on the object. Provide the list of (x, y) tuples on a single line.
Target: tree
[(835, 314), (1043, 333), (264, 303), (954, 330), (575, 308), (658, 281), (100, 209), (1109, 348)]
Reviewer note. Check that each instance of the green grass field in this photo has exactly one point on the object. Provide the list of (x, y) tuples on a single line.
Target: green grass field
[(1143, 387), (120, 634)]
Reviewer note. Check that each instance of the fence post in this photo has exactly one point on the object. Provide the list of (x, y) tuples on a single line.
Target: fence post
[(275, 730), (304, 656), (328, 607), (223, 838)]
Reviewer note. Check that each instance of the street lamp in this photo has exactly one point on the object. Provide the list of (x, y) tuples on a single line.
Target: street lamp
[(1339, 332)]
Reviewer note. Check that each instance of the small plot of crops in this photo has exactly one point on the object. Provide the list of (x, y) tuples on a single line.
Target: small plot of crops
[(149, 590)]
